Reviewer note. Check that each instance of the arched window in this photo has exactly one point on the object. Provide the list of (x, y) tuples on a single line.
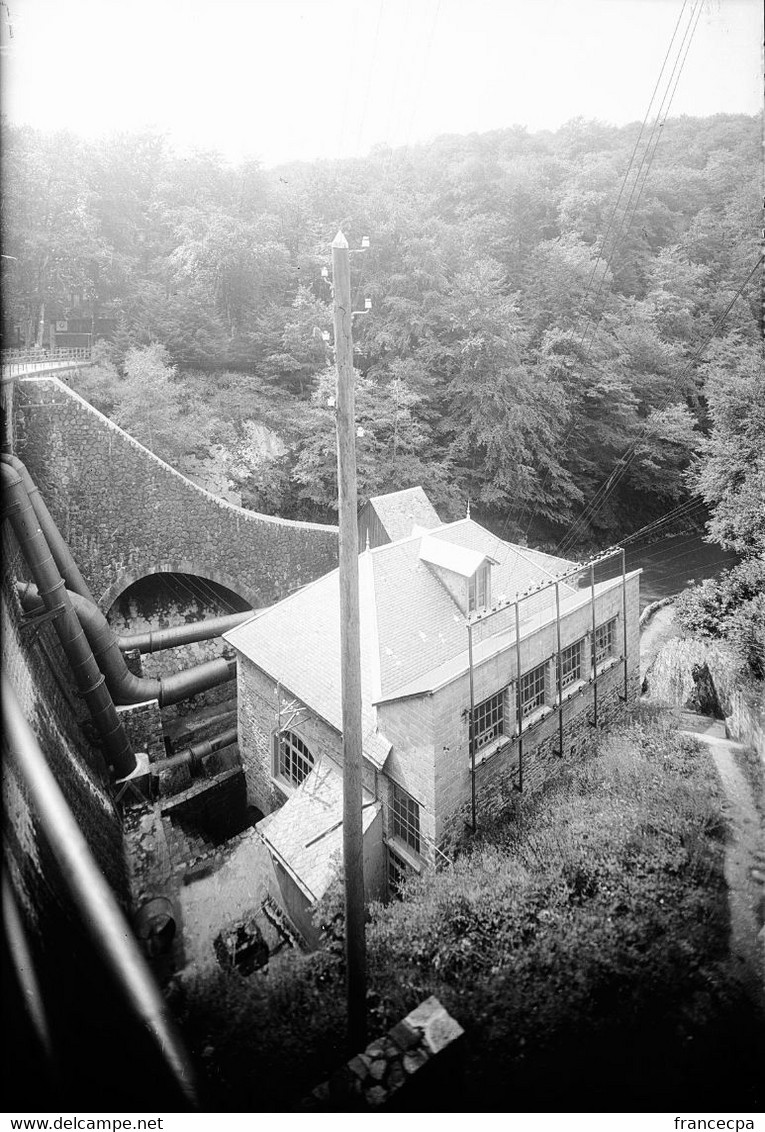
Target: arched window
[(294, 760)]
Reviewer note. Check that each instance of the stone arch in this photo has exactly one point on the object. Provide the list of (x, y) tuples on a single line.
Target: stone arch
[(124, 512), (128, 577)]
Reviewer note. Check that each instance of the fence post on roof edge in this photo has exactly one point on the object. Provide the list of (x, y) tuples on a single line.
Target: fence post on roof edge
[(594, 656), (518, 704), (350, 650), (624, 618), (472, 728), (559, 659)]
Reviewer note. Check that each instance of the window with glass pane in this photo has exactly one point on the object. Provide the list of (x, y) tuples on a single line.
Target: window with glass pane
[(479, 588), (406, 818), (571, 665), (295, 760), (605, 641), (489, 720), (532, 690), (397, 873)]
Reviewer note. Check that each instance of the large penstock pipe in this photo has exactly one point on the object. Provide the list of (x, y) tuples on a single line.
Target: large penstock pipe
[(56, 600), (193, 755), (125, 687), (100, 913), (157, 639), (153, 641), (62, 555)]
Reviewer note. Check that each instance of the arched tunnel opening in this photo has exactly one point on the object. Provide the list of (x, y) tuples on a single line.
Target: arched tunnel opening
[(165, 600)]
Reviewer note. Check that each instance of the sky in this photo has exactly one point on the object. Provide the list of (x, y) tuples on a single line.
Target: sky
[(283, 80)]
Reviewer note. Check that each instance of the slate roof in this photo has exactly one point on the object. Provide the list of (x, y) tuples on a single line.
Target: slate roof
[(306, 833), (401, 511), (410, 624), (459, 559)]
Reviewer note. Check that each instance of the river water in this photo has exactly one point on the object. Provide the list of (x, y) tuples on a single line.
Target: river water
[(672, 563)]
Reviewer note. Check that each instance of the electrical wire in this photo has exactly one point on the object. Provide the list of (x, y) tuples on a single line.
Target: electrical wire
[(621, 231), (625, 460), (373, 61), (683, 511), (647, 159), (631, 161)]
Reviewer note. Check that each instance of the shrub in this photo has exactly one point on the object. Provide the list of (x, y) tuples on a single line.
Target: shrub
[(730, 607), (582, 944)]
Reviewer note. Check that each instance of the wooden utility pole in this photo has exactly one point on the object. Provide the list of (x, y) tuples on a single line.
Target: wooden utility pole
[(350, 651)]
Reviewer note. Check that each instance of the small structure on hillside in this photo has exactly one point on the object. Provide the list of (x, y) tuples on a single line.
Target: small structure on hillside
[(483, 664), (387, 518)]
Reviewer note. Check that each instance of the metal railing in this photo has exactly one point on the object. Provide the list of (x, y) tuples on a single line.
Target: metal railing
[(45, 354)]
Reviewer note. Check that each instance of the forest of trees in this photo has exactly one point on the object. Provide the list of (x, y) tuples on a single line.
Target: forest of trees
[(548, 315)]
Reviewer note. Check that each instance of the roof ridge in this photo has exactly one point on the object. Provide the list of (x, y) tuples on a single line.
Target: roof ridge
[(420, 535), (401, 491)]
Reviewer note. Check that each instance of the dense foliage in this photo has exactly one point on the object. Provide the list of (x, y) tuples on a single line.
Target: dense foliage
[(523, 338), (581, 941), (729, 474)]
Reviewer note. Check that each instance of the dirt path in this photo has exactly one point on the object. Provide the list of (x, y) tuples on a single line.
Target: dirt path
[(654, 635), (744, 854)]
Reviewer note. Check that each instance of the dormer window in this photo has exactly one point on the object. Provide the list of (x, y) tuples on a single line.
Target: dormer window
[(479, 588), (464, 572)]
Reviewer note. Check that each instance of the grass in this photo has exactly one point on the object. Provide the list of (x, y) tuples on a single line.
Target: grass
[(581, 941)]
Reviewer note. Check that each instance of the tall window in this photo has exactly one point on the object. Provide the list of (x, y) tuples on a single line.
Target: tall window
[(605, 641), (532, 690), (406, 818), (489, 720), (479, 588), (397, 873), (571, 665), (293, 759)]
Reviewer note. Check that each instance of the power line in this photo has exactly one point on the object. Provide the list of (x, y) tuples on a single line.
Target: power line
[(646, 161), (684, 510), (631, 161), (655, 129), (625, 460)]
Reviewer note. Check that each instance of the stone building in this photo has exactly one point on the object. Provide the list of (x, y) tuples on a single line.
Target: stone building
[(438, 617)]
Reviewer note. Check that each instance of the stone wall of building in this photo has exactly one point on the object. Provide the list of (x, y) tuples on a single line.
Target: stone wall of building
[(497, 767), (258, 717), (125, 513)]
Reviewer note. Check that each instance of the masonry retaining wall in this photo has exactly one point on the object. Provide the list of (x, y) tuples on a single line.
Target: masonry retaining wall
[(125, 513), (84, 1012)]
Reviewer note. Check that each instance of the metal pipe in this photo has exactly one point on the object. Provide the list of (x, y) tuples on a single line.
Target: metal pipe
[(198, 751), (594, 657), (155, 640), (101, 915), (519, 706), (21, 960), (54, 595), (62, 555), (124, 685), (472, 726), (560, 670)]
